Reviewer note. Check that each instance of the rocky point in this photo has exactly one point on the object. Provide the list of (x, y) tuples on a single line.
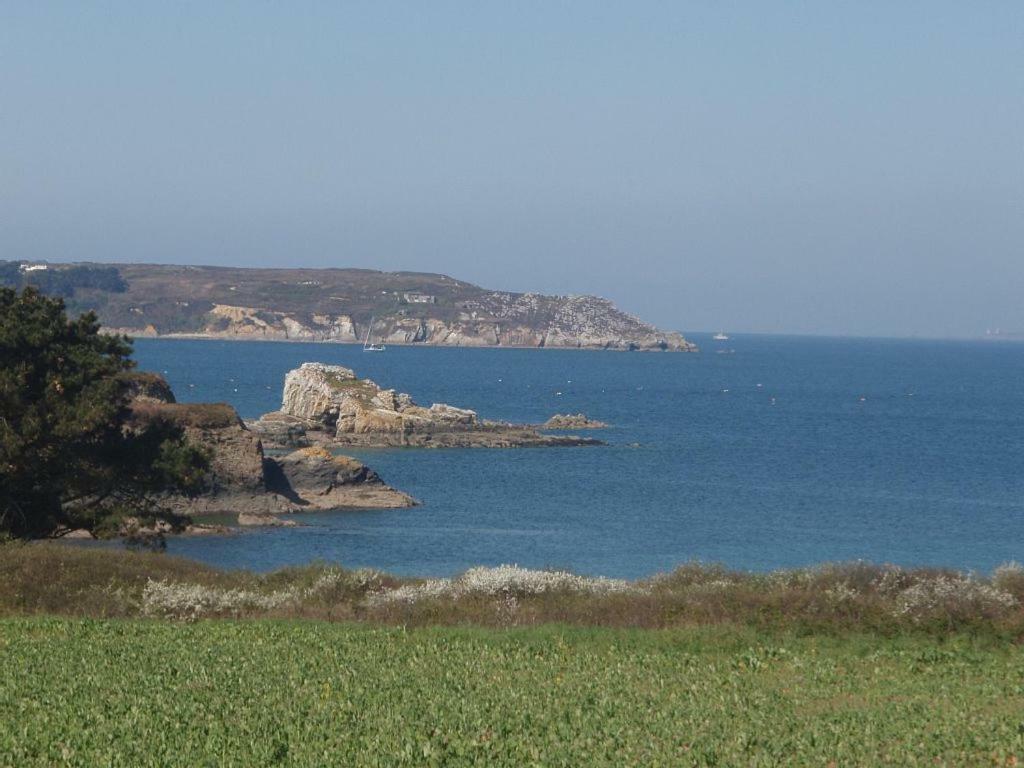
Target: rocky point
[(329, 403)]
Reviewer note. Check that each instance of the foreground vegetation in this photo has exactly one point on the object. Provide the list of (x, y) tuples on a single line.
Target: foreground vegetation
[(57, 579), (113, 657), (86, 692)]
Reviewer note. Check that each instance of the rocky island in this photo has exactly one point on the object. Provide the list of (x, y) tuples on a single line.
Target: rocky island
[(339, 305), (330, 404)]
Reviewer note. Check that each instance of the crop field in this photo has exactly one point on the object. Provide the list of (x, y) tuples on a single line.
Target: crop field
[(225, 692)]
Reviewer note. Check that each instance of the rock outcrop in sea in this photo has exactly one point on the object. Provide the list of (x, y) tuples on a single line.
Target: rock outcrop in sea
[(572, 421), (330, 403), (243, 479)]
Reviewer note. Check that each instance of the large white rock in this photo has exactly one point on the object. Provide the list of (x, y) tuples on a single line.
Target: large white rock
[(314, 391), (333, 396)]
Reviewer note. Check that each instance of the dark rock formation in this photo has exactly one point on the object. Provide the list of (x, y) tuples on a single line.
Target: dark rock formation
[(282, 430), (316, 478), (243, 480)]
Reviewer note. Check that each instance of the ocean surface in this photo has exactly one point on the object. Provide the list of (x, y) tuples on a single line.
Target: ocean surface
[(759, 452)]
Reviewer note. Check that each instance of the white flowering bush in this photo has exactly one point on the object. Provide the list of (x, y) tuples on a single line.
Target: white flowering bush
[(841, 592), (511, 579), (413, 593), (892, 581), (799, 578), (367, 579), (1009, 577), (951, 596), (503, 581), (193, 601)]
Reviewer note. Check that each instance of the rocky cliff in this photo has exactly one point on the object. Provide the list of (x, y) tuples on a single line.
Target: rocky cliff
[(243, 479), (339, 304), (330, 401)]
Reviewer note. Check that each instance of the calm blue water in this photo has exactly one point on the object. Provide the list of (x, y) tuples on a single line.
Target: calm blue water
[(702, 463)]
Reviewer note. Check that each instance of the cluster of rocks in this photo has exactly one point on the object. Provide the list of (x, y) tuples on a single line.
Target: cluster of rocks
[(323, 406), (572, 421), (243, 479), (329, 403)]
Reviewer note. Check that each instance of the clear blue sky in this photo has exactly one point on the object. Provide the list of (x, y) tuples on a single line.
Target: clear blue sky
[(818, 167)]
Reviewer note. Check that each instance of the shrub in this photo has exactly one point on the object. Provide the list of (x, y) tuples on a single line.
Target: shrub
[(832, 599), (952, 600), (1009, 577), (504, 581)]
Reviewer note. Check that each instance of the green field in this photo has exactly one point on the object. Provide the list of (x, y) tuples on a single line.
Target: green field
[(87, 692)]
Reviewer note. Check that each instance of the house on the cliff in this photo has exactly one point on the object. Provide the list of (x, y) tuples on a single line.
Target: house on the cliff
[(419, 298)]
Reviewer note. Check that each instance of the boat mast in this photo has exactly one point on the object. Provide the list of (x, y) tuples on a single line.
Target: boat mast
[(369, 328)]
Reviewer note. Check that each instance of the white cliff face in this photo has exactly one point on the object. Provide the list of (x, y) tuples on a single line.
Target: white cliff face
[(487, 320), (311, 391), (335, 327), (573, 321), (253, 323)]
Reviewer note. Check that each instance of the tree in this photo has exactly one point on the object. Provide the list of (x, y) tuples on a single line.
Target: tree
[(69, 453)]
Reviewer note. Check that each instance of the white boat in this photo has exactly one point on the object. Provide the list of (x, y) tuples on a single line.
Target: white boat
[(720, 336), (367, 346)]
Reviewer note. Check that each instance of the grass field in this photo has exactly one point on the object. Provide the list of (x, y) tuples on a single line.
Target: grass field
[(224, 692)]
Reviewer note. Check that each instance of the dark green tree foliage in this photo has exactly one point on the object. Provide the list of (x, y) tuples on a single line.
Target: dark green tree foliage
[(10, 273), (69, 452), (67, 281), (60, 280)]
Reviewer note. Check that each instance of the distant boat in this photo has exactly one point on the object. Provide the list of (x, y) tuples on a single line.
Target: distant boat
[(367, 346), (720, 336)]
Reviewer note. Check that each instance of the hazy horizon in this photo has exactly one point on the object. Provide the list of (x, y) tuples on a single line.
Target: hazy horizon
[(844, 169)]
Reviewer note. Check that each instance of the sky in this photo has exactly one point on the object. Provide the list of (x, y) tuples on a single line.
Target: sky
[(851, 168)]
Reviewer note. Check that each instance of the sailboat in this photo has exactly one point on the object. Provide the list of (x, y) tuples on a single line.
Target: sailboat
[(367, 346), (720, 336)]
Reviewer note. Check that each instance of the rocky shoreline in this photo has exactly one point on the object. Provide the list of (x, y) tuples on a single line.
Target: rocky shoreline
[(288, 461), (282, 338), (243, 479)]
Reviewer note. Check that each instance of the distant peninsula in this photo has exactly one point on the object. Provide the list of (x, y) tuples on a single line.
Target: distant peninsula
[(338, 305)]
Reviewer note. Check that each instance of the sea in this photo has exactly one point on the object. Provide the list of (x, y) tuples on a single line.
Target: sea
[(760, 452)]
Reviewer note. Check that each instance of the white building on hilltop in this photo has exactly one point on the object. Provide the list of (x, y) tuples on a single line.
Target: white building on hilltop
[(419, 298)]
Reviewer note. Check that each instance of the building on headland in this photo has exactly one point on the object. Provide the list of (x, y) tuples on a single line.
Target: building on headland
[(32, 267), (419, 298)]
